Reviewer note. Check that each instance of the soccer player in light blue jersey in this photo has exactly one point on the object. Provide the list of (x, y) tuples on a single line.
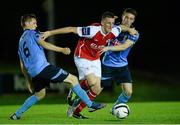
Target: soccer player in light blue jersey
[(38, 71), (115, 63)]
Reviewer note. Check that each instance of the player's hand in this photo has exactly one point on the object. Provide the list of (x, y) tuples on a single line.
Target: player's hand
[(103, 49), (124, 28), (115, 17), (132, 31), (66, 51), (45, 35)]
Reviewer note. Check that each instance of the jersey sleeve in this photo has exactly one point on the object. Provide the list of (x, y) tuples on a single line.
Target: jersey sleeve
[(116, 30), (133, 38), (36, 36), (88, 31)]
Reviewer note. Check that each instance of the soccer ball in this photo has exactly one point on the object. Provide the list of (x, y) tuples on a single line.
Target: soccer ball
[(121, 111)]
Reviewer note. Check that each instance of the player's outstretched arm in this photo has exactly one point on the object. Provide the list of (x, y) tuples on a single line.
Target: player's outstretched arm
[(119, 47), (64, 30), (52, 47)]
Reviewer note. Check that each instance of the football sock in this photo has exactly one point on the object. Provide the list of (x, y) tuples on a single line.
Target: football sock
[(81, 106), (82, 95), (123, 98), (91, 94), (27, 104), (84, 85)]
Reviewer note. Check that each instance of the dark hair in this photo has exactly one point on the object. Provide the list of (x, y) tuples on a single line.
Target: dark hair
[(107, 14), (27, 17), (130, 10)]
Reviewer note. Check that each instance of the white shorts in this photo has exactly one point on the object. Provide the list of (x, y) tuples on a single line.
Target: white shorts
[(86, 67)]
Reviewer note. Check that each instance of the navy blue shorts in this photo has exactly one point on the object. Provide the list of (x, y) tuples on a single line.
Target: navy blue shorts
[(50, 74), (115, 74)]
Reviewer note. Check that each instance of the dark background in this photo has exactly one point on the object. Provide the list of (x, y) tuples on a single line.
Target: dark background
[(157, 50)]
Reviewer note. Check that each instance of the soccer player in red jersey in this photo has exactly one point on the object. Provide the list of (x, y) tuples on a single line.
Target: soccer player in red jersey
[(87, 53)]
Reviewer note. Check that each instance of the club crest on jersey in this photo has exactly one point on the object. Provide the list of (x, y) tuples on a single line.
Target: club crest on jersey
[(95, 46), (85, 30)]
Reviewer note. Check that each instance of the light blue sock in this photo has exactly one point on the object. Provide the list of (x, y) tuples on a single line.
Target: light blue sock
[(27, 104), (82, 94), (123, 98)]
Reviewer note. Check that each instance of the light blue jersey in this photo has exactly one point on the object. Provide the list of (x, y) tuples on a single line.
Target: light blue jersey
[(31, 53), (119, 58)]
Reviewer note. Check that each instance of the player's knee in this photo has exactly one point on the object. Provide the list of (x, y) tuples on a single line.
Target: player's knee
[(74, 80), (41, 94), (71, 79), (129, 92), (92, 81), (96, 89)]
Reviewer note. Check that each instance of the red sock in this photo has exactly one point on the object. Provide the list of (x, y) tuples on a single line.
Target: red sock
[(84, 84), (91, 94), (81, 106)]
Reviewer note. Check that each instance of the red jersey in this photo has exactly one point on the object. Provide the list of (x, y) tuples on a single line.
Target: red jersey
[(92, 40)]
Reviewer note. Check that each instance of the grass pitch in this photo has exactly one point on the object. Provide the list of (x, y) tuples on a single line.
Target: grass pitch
[(140, 113), (152, 103)]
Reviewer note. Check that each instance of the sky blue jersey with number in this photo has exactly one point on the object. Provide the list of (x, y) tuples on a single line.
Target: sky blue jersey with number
[(119, 58), (31, 53)]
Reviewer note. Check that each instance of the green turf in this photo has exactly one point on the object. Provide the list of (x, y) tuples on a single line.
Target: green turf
[(153, 102), (141, 113)]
